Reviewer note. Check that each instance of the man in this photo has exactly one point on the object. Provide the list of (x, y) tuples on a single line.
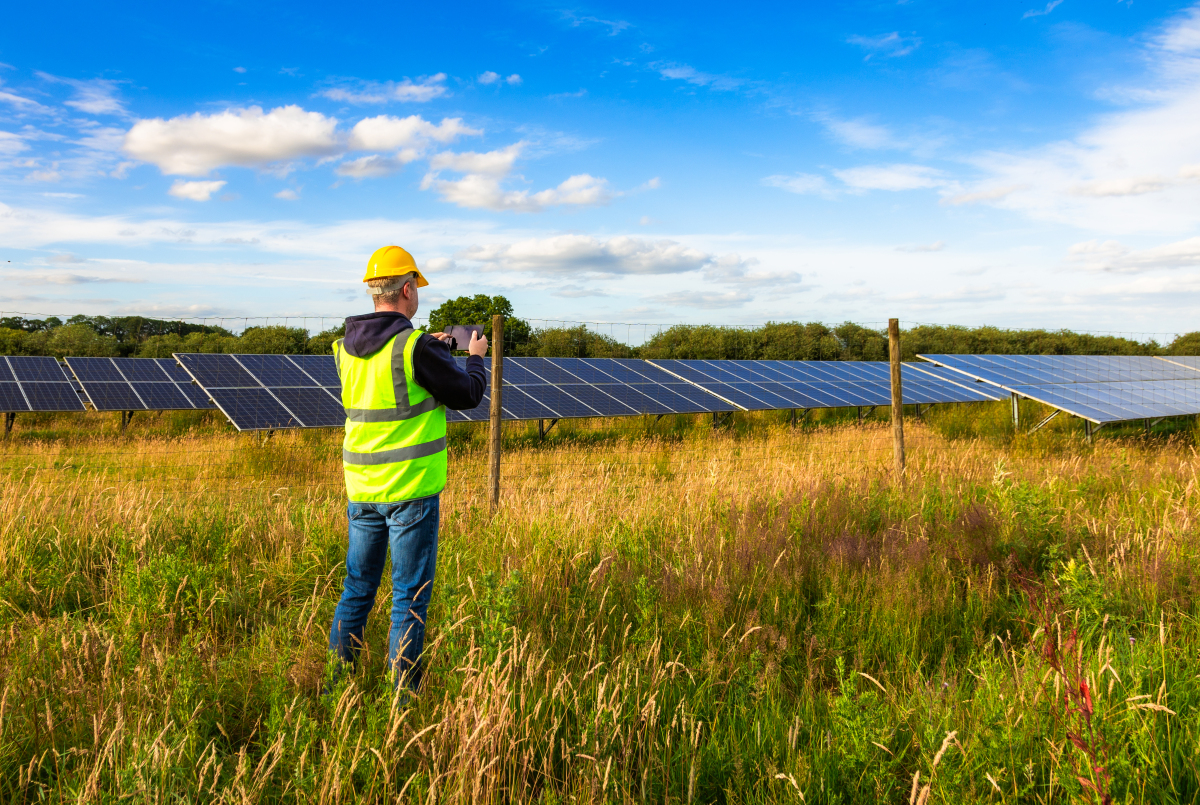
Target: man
[(397, 382)]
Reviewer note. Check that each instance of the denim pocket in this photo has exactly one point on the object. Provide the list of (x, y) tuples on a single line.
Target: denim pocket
[(355, 511), (405, 514)]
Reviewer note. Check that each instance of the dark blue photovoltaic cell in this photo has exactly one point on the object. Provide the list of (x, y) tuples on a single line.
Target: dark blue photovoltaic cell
[(100, 369), (684, 369), (735, 396), (6, 375), (481, 412), (253, 409), (140, 370), (620, 372), (216, 371), (648, 370), (637, 401), (36, 367), (455, 416), (1188, 361), (560, 402), (586, 370), (161, 396), (595, 398), (113, 397), (274, 371), (173, 370), (681, 397), (519, 405), (314, 407), (52, 396), (197, 396), (547, 371), (11, 398), (321, 368), (769, 399)]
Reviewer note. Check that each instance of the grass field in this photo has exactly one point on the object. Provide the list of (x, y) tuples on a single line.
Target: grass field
[(659, 612)]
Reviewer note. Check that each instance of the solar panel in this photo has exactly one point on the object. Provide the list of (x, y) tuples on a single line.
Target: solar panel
[(269, 392), (36, 383), (136, 384), (1099, 388)]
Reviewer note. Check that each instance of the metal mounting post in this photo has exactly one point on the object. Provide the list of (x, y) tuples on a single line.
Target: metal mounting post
[(1039, 425), (543, 428), (10, 418), (126, 418), (793, 418), (1016, 412)]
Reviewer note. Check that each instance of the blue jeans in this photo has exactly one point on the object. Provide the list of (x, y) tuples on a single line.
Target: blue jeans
[(411, 529)]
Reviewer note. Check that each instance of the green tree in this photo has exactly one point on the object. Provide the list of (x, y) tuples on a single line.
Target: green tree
[(78, 340), (273, 340), (209, 342), (1186, 344), (572, 342), (479, 309), (12, 341), (322, 342), (160, 346)]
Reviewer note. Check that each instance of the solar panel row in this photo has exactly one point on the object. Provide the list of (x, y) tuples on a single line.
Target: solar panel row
[(137, 384), (35, 383), (1101, 389), (267, 392)]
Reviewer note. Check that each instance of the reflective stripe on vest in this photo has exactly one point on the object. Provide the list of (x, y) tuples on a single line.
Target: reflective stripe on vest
[(395, 445)]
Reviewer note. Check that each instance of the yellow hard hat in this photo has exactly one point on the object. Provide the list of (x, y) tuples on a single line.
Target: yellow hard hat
[(392, 261)]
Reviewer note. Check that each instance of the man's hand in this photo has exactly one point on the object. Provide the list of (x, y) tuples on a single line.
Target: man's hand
[(478, 345), (441, 336)]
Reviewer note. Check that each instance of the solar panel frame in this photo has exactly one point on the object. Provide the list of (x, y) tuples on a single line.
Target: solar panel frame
[(12, 398), (153, 384)]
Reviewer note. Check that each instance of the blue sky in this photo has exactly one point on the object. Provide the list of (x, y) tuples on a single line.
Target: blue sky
[(1017, 164)]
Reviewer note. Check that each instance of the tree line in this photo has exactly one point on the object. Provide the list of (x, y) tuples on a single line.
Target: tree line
[(137, 336)]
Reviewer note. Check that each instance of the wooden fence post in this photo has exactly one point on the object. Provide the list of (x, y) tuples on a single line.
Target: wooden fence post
[(494, 435), (897, 396)]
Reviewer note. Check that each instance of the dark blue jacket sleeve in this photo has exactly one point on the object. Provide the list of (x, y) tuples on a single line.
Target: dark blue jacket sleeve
[(437, 372)]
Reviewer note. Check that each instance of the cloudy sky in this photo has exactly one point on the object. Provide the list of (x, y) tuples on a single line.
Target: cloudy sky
[(1012, 164)]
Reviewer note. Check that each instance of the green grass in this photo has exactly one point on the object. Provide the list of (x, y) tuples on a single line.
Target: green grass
[(660, 611)]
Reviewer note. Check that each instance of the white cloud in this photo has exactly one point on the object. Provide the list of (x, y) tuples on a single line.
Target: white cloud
[(412, 133), (569, 255), (288, 194), (194, 191), (491, 163), (1131, 186), (513, 80), (708, 300), (369, 167), (489, 77), (424, 89), (936, 246), (95, 97), (1112, 256), (11, 143), (1033, 12), (889, 45), (44, 176), (800, 183), (194, 145), (20, 102), (684, 72), (239, 69), (481, 191), (980, 196), (891, 177), (858, 133), (40, 278)]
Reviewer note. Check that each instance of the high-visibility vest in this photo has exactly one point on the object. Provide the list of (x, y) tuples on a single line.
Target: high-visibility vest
[(395, 446)]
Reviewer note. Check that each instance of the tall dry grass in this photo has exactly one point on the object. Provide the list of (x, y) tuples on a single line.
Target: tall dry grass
[(659, 611)]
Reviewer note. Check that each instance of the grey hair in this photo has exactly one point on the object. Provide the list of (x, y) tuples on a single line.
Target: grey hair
[(390, 290)]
